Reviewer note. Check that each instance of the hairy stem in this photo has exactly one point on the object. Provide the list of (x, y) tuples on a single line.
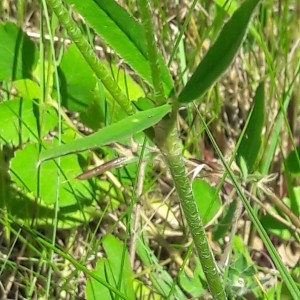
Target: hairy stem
[(166, 138)]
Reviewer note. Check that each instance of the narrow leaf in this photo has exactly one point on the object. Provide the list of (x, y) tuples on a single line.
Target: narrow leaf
[(221, 54), (115, 132), (251, 141)]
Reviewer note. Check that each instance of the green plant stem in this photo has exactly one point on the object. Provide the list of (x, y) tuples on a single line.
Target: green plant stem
[(166, 138), (88, 53), (152, 52)]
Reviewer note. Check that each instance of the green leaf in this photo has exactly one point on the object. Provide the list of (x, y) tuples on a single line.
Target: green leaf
[(94, 115), (77, 82), (123, 33), (295, 203), (207, 199), (251, 142), (225, 222), (193, 285), (17, 53), (19, 121), (24, 172), (115, 269), (115, 132), (292, 162), (228, 6), (118, 264), (144, 104), (221, 54), (28, 88), (276, 228), (94, 289), (22, 205)]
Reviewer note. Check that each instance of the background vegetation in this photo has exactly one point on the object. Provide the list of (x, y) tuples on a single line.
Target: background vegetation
[(123, 234)]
